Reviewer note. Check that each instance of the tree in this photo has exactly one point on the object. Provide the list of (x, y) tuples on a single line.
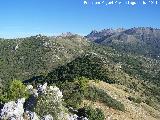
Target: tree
[(14, 90)]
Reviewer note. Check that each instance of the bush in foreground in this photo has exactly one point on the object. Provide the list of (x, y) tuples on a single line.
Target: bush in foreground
[(14, 90)]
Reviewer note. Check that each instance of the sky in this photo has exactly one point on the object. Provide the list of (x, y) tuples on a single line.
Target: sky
[(20, 18)]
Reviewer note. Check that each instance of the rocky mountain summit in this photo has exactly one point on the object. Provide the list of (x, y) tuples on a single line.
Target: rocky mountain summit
[(94, 35)]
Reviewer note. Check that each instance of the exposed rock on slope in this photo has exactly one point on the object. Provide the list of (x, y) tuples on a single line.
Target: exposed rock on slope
[(13, 110), (48, 106)]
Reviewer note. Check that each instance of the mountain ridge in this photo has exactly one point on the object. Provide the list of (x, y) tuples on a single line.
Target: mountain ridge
[(141, 40)]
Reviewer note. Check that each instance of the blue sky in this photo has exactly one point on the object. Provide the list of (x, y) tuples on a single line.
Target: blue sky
[(19, 18)]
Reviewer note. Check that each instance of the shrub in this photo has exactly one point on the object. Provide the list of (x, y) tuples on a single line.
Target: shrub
[(150, 102), (14, 90), (91, 114), (74, 91), (136, 100), (50, 102)]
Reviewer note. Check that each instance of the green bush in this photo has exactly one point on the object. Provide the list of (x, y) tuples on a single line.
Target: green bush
[(14, 90), (74, 91), (91, 114), (150, 102), (50, 103)]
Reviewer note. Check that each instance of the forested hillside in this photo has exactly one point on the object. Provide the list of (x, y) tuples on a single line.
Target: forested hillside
[(27, 57)]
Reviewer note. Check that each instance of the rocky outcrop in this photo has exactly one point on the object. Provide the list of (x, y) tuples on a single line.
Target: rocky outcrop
[(47, 117), (28, 115), (24, 109), (13, 110)]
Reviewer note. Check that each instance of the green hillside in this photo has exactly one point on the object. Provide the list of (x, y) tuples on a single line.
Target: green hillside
[(24, 58), (100, 67)]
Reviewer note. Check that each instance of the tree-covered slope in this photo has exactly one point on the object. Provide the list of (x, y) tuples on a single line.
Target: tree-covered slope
[(124, 72), (36, 55)]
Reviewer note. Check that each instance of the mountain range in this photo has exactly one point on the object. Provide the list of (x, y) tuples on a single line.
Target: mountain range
[(143, 41)]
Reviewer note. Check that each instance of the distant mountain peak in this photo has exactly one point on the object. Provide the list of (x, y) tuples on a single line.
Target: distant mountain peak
[(103, 33), (67, 34)]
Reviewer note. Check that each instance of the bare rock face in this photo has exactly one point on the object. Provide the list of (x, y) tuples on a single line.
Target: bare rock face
[(73, 117), (13, 110), (42, 88), (47, 117), (31, 115)]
